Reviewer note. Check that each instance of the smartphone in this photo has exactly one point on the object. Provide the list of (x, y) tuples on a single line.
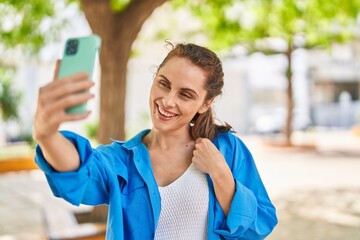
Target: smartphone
[(80, 55)]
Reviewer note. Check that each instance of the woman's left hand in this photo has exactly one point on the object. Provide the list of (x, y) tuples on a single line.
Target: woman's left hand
[(208, 158)]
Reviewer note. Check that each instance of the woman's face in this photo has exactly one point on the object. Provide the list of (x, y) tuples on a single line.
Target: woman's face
[(177, 94)]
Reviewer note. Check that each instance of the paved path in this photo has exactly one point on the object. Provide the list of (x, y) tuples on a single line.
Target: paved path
[(20, 208), (316, 192)]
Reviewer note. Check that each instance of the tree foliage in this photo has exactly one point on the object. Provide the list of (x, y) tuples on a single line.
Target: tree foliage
[(21, 26), (311, 22), (21, 23)]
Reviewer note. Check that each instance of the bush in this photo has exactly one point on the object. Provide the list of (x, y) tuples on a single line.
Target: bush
[(9, 98)]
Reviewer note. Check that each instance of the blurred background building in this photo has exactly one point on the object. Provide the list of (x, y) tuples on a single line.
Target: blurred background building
[(335, 86)]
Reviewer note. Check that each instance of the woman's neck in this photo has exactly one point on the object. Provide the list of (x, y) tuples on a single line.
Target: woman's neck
[(164, 141)]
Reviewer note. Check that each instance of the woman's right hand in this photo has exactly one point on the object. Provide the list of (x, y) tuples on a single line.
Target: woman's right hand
[(55, 97)]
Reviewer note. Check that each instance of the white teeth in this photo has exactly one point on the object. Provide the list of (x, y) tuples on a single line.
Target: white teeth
[(166, 114)]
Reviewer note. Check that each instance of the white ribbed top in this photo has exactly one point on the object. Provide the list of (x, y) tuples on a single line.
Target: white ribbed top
[(184, 207)]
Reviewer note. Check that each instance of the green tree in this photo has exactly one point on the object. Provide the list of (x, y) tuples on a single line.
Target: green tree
[(299, 23)]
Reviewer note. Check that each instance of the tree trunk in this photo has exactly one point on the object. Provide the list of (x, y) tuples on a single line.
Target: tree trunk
[(289, 97), (118, 31)]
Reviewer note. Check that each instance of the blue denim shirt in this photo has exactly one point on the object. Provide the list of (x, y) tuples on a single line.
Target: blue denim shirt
[(120, 175)]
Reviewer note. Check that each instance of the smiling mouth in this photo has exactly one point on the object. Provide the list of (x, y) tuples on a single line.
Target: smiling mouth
[(165, 114)]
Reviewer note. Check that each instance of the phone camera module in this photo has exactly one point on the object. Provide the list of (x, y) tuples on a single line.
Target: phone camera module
[(72, 47)]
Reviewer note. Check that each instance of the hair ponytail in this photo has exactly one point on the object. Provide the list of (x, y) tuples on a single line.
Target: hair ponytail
[(204, 126)]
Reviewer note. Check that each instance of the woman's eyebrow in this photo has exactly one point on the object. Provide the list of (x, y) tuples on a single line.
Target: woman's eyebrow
[(190, 90), (184, 89)]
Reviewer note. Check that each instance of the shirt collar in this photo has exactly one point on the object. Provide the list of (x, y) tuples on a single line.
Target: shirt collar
[(134, 141)]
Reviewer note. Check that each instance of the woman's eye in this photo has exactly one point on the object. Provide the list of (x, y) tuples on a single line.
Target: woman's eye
[(163, 84), (185, 95)]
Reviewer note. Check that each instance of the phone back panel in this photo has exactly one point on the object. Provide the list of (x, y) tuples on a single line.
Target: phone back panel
[(82, 60)]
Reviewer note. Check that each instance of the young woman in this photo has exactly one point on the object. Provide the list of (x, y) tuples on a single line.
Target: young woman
[(185, 178)]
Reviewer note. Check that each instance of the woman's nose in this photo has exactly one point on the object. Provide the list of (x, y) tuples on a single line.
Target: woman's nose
[(169, 100)]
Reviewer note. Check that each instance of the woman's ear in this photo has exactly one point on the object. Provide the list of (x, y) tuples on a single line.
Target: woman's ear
[(205, 106)]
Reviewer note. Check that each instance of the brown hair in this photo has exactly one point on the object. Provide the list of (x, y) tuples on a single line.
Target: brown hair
[(203, 125)]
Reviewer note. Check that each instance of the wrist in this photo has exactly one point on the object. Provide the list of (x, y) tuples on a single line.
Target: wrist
[(44, 138), (222, 174)]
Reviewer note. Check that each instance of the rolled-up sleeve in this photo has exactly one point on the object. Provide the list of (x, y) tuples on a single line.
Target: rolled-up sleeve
[(89, 184), (252, 215)]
